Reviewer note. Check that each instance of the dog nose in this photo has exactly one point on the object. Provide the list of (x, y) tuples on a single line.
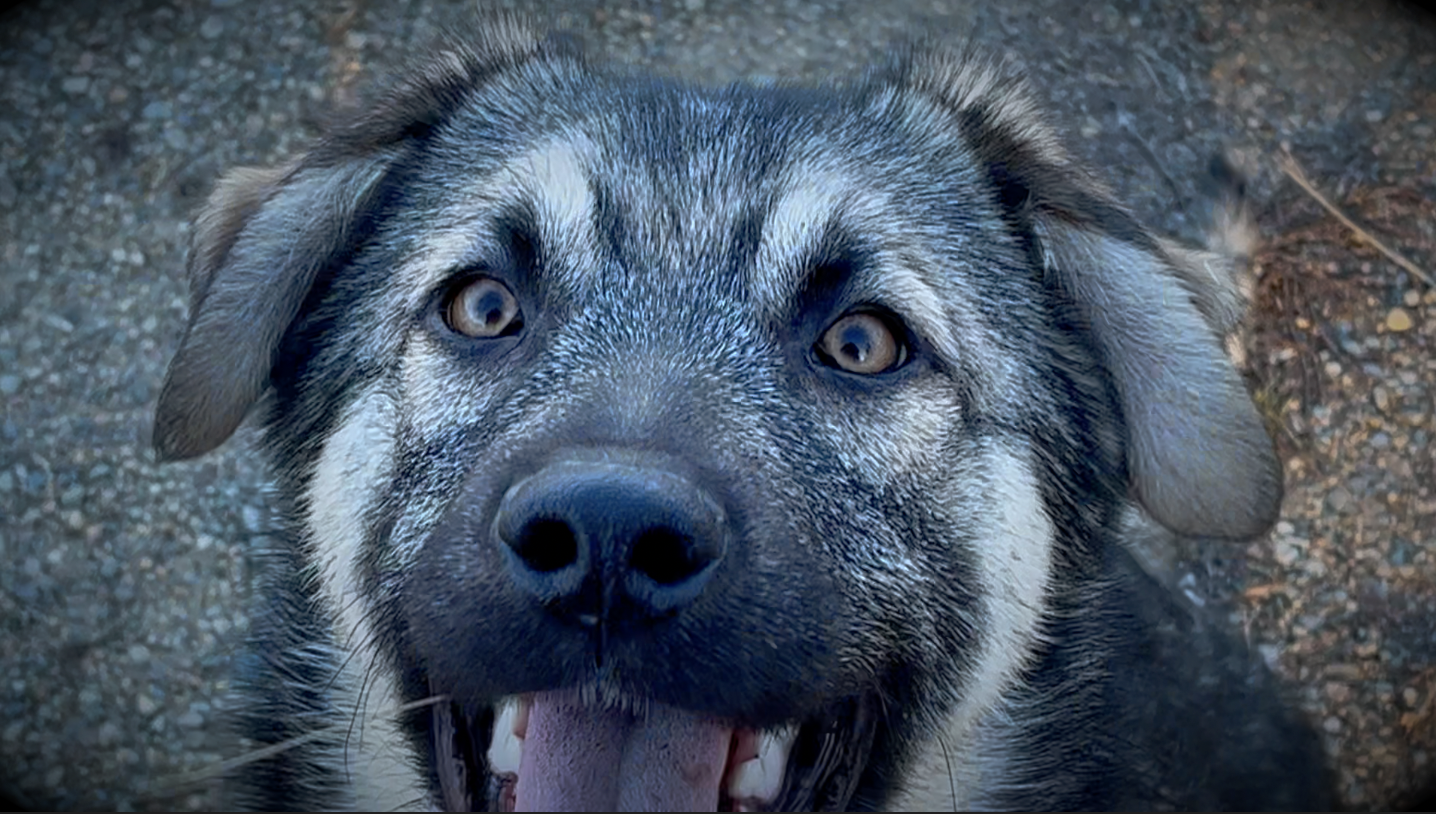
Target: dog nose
[(602, 541)]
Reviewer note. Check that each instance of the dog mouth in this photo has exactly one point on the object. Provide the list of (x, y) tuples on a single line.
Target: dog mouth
[(552, 751)]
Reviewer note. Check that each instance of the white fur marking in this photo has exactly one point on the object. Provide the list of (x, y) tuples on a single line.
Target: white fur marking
[(1014, 548), (356, 461)]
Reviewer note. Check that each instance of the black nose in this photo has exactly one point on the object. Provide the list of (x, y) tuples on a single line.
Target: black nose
[(605, 541)]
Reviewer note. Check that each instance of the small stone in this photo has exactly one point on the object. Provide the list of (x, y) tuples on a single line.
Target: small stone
[(1398, 320), (190, 720), (1337, 692), (1374, 116), (107, 734), (212, 27), (139, 654), (75, 84), (1287, 551), (1271, 654), (1410, 696), (9, 384), (145, 705), (1412, 298), (1381, 396), (158, 109), (1332, 725), (1340, 499)]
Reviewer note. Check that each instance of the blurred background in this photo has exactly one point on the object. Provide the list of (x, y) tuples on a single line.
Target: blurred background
[(123, 583)]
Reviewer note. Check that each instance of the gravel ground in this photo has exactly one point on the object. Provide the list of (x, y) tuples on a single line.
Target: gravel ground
[(122, 582)]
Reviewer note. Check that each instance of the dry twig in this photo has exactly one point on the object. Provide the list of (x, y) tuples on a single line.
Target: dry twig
[(1291, 168)]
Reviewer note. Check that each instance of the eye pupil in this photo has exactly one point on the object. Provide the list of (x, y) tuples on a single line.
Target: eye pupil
[(856, 344), (492, 307)]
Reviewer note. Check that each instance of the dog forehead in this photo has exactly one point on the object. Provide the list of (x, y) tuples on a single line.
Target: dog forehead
[(686, 182)]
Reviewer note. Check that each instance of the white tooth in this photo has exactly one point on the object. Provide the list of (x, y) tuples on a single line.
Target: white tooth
[(507, 749), (521, 718), (761, 778)]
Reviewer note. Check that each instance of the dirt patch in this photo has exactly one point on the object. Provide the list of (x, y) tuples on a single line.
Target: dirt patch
[(1342, 597)]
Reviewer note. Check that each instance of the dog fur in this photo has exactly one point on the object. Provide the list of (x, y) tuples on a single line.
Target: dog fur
[(918, 572)]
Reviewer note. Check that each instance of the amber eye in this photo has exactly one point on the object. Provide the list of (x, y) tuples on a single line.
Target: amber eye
[(483, 309), (861, 343)]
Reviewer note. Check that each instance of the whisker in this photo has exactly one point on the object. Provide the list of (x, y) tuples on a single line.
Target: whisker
[(174, 782)]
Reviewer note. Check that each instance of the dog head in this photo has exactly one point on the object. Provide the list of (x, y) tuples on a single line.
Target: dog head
[(679, 422)]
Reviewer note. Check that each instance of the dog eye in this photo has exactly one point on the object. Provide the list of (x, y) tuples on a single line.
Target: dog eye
[(484, 308), (861, 343)]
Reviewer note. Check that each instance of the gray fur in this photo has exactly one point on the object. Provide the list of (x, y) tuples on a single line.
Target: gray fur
[(923, 568)]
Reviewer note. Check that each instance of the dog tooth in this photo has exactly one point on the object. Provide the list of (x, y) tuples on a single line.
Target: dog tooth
[(761, 778), (521, 718), (506, 751)]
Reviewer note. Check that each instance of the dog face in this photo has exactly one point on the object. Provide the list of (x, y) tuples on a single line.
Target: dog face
[(729, 447)]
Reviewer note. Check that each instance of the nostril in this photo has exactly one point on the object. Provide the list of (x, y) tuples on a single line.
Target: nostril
[(666, 557), (546, 545)]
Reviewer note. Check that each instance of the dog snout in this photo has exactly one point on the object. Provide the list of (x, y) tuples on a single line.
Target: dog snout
[(605, 542)]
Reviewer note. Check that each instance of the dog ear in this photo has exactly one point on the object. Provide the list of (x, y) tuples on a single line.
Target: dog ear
[(1198, 454), (258, 245), (266, 235)]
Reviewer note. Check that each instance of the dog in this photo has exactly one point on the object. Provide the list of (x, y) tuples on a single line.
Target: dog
[(641, 446)]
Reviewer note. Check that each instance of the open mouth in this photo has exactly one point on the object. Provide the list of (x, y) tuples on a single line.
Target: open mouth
[(552, 752)]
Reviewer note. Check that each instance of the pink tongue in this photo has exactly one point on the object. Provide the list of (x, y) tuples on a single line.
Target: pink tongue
[(582, 758)]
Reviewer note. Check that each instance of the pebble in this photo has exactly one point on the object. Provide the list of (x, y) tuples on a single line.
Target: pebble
[(1332, 725), (1381, 396), (1410, 696), (1340, 499), (212, 27), (1398, 320), (1288, 550)]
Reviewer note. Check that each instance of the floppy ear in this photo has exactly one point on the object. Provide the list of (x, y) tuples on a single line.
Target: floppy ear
[(266, 235), (259, 244), (1198, 454)]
